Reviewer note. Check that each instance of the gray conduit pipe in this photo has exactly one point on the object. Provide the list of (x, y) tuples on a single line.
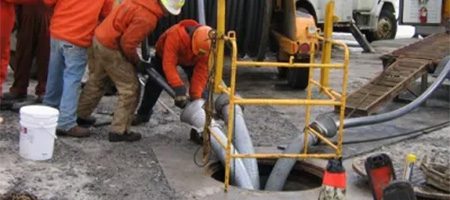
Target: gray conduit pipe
[(326, 125), (283, 166), (242, 140), (201, 12), (194, 115)]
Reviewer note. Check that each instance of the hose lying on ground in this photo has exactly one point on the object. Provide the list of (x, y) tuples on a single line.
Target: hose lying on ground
[(326, 125)]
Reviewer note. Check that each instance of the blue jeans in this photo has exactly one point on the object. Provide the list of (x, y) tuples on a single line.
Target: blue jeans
[(66, 68)]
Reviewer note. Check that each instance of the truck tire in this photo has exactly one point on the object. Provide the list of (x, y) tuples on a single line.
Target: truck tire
[(297, 78), (386, 28)]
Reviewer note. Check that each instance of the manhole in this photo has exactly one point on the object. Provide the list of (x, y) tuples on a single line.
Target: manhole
[(16, 195), (303, 176)]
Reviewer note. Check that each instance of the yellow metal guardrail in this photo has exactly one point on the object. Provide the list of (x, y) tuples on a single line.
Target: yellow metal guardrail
[(334, 97)]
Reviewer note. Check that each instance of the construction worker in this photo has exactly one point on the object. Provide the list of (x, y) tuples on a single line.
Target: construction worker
[(187, 44), (7, 18), (71, 32), (33, 41), (115, 56)]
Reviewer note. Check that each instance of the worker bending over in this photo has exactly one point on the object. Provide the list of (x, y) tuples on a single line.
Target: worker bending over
[(114, 56), (186, 44)]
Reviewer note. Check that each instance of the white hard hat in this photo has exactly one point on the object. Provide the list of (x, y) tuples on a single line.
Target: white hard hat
[(173, 6)]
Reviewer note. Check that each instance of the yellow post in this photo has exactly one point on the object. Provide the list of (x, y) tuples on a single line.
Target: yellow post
[(220, 44), (446, 11), (231, 107), (327, 34)]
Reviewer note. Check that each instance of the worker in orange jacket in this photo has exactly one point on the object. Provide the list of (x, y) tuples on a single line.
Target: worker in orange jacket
[(7, 14), (114, 56), (186, 44), (71, 31), (33, 41)]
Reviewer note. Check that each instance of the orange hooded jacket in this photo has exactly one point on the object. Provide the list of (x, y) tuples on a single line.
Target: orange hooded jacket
[(75, 21), (128, 25), (174, 47)]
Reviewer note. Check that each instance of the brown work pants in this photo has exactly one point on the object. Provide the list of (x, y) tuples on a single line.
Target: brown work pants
[(33, 41), (105, 63)]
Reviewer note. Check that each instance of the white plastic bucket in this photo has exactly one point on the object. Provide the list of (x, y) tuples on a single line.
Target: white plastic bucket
[(37, 132)]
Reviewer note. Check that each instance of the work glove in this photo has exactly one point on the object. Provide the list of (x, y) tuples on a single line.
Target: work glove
[(181, 99), (142, 67)]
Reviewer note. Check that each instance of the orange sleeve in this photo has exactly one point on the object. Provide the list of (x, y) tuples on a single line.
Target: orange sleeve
[(199, 78), (106, 9), (170, 60), (139, 28), (24, 1), (50, 2)]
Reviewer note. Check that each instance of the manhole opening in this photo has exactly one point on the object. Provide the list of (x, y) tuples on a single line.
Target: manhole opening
[(18, 195), (303, 176)]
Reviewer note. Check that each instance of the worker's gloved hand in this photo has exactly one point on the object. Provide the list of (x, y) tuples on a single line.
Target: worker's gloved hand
[(181, 99), (142, 67)]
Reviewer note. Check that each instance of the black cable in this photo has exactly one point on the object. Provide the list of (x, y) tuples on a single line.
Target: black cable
[(418, 132)]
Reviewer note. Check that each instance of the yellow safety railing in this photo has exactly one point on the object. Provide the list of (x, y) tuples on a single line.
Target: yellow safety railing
[(335, 98)]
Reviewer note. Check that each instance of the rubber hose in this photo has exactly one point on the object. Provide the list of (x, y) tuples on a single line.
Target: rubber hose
[(195, 115), (250, 8), (373, 119), (327, 126), (240, 25), (241, 139), (265, 30), (283, 166)]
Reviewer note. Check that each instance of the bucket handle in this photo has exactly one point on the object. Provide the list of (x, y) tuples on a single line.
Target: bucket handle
[(41, 125)]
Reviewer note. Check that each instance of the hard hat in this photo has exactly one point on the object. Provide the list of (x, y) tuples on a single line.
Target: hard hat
[(173, 6), (201, 43)]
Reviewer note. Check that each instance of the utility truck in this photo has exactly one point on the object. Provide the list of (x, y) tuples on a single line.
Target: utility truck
[(375, 18)]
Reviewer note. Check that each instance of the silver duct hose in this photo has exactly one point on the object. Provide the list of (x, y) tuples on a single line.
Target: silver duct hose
[(201, 12), (283, 167), (326, 125), (194, 115), (242, 139)]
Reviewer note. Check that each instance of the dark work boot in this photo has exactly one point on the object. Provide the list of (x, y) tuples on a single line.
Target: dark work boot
[(13, 97), (86, 122), (126, 137), (139, 119), (76, 131)]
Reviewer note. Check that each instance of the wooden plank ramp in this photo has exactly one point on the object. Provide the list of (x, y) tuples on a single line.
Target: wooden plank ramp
[(409, 63), (383, 88)]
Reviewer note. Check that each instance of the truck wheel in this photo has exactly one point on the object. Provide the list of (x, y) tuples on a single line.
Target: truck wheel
[(297, 78), (386, 28)]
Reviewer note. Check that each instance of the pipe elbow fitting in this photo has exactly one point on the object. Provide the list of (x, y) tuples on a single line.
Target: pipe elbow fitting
[(325, 125), (221, 101)]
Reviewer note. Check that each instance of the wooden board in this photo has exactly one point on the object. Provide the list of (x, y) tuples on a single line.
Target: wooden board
[(383, 88)]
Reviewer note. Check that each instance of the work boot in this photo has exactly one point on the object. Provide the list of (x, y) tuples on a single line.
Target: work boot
[(86, 122), (9, 96), (139, 119), (125, 137), (76, 131)]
